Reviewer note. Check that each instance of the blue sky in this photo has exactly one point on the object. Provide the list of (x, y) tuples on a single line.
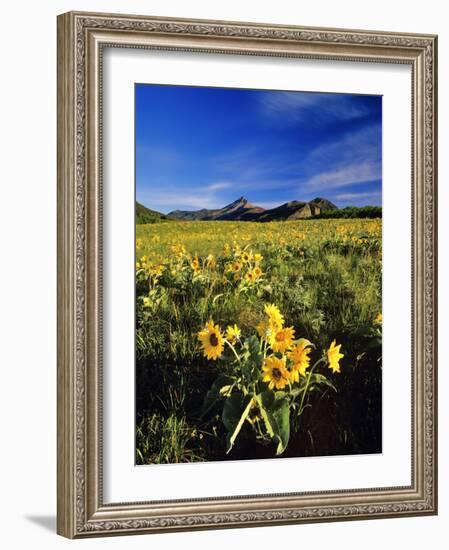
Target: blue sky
[(205, 147)]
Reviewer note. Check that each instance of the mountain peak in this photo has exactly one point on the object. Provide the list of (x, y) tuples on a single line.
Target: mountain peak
[(323, 204), (240, 200), (243, 210)]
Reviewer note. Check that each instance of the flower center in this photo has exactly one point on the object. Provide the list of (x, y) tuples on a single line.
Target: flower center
[(280, 336), (276, 373), (213, 339)]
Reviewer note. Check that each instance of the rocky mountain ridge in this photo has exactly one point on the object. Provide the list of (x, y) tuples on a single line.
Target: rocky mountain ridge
[(242, 210)]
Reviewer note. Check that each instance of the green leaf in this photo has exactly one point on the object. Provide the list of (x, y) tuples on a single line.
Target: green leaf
[(281, 413), (235, 412), (252, 351), (275, 412), (140, 455), (296, 390), (216, 392), (217, 297), (280, 394), (320, 380), (253, 345), (265, 400)]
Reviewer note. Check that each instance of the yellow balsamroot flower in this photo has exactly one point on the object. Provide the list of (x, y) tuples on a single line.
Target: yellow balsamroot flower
[(275, 373), (378, 319), (274, 315), (146, 301), (195, 265), (250, 276), (236, 267), (178, 249), (233, 333), (299, 354), (334, 356), (257, 272), (211, 340), (258, 258), (282, 340), (245, 256), (156, 270)]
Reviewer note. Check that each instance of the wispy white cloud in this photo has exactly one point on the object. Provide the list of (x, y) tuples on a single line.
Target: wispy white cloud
[(318, 108), (353, 158), (361, 195), (175, 200), (168, 198), (362, 172), (358, 198), (218, 186), (357, 146)]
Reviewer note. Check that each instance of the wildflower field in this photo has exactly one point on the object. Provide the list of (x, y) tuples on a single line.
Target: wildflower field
[(258, 340)]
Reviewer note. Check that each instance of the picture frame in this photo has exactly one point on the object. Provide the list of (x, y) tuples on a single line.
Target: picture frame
[(82, 40)]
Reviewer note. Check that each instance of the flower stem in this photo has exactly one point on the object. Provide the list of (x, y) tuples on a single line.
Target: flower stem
[(309, 376), (233, 349)]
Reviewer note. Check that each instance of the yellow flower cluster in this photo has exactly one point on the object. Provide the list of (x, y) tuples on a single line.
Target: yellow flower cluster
[(227, 240), (285, 359), (244, 265), (152, 269), (278, 372), (212, 339)]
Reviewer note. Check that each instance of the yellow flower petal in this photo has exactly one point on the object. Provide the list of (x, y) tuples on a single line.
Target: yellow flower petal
[(334, 356), (212, 341)]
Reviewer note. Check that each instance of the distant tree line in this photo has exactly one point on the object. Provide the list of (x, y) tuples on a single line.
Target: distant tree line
[(352, 212), (148, 217), (145, 215)]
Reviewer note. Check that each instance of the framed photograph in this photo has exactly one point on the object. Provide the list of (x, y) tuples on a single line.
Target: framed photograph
[(246, 274)]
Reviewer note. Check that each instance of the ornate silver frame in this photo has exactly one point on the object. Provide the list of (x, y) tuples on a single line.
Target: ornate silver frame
[(81, 38)]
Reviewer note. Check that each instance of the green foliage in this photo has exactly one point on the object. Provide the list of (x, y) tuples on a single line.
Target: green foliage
[(164, 440), (351, 212), (235, 411), (275, 411), (222, 387), (144, 215)]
